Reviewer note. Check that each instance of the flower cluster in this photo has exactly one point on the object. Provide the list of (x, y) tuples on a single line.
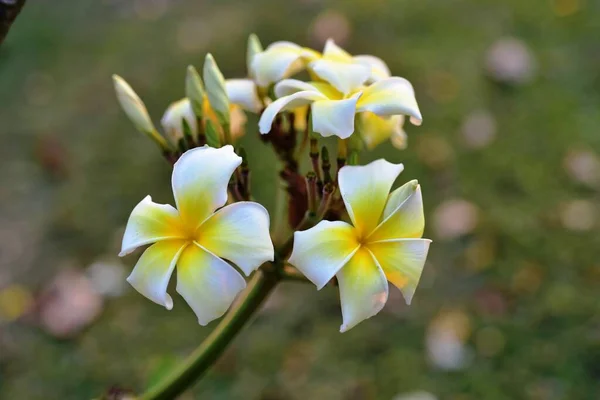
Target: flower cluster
[(348, 227)]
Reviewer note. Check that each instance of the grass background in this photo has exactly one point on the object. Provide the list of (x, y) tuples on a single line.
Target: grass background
[(72, 168)]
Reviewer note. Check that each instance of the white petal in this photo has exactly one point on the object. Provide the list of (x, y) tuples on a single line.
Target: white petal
[(345, 77), (365, 191), (391, 96), (278, 61), (335, 52), (285, 103), (150, 222), (152, 272), (379, 69), (200, 179), (173, 117), (402, 262), (243, 93), (207, 283), (403, 215), (290, 86), (334, 117), (363, 289), (321, 251), (239, 233)]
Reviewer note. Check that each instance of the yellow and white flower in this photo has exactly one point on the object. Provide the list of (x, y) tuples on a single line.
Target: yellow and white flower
[(383, 244), (278, 61), (345, 72), (333, 112), (196, 238)]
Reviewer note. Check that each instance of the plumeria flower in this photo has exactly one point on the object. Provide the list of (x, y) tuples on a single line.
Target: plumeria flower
[(196, 238), (383, 244), (278, 61), (345, 72), (375, 130), (333, 112), (182, 110)]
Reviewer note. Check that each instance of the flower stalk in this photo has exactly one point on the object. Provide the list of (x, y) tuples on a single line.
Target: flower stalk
[(187, 373)]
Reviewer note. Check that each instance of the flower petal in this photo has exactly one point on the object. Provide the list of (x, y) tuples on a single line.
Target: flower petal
[(375, 129), (402, 262), (278, 61), (334, 52), (207, 283), (379, 69), (344, 76), (243, 93), (239, 233), (291, 86), (403, 215), (391, 96), (320, 252), (363, 289), (334, 117), (200, 179), (150, 222), (285, 103), (152, 272), (365, 191), (172, 120)]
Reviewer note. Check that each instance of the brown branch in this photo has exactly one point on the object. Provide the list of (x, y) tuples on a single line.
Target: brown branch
[(9, 9)]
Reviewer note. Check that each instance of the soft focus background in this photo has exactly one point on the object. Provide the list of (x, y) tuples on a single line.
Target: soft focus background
[(508, 157)]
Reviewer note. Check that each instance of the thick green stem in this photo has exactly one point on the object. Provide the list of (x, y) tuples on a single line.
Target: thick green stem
[(259, 287)]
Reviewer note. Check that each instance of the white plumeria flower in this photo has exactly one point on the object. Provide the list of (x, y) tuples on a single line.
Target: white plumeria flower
[(383, 244), (278, 61), (196, 238), (333, 112), (345, 72)]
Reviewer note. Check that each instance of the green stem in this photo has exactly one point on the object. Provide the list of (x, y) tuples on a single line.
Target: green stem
[(259, 287)]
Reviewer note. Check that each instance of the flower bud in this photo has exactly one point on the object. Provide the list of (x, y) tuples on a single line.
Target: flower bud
[(136, 111), (132, 105), (172, 120), (215, 90), (194, 90), (254, 47)]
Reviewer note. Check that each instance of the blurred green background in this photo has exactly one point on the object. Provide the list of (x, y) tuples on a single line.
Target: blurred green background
[(507, 157)]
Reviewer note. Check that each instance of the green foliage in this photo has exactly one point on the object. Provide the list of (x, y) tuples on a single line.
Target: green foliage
[(73, 168)]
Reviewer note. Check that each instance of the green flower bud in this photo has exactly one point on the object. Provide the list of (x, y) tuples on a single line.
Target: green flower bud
[(215, 90), (194, 90), (136, 111), (254, 47)]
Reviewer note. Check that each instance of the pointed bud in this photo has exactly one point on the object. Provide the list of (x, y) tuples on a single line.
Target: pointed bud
[(132, 105), (194, 90), (136, 110), (215, 90), (212, 135), (254, 47)]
